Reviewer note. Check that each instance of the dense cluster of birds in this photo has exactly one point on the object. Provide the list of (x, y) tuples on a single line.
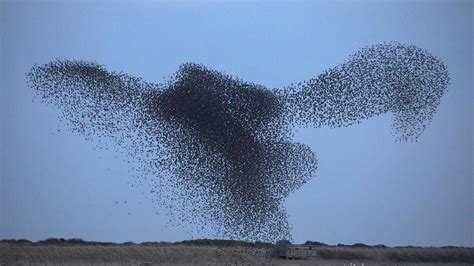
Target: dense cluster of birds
[(405, 81), (218, 149)]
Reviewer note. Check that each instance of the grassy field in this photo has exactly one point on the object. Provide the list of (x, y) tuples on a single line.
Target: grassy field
[(209, 252)]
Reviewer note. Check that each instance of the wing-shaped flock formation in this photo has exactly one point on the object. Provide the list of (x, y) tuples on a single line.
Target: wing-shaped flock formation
[(385, 78), (218, 148)]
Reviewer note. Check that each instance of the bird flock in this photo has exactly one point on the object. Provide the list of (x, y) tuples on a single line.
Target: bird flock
[(219, 150)]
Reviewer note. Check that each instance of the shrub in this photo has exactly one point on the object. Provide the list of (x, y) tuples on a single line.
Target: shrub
[(340, 254)]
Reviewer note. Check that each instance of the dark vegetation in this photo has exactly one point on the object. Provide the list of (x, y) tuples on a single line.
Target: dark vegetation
[(205, 242), (194, 242), (342, 254), (258, 251)]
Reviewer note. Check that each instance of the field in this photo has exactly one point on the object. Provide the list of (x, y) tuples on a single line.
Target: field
[(217, 252)]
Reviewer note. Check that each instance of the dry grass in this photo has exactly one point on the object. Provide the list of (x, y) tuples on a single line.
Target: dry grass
[(211, 254), (158, 254), (398, 254)]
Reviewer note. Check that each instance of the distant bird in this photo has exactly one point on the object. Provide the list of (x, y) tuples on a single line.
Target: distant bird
[(220, 148)]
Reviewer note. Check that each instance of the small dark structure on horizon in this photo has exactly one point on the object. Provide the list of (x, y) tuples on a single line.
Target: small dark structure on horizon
[(300, 252), (284, 249)]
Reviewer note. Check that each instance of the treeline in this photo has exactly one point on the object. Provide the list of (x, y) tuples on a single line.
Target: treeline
[(71, 241), (194, 242)]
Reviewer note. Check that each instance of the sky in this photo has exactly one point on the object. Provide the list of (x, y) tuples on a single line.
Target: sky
[(369, 188)]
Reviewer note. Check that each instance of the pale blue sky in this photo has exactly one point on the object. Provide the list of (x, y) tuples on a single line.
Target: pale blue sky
[(368, 187)]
